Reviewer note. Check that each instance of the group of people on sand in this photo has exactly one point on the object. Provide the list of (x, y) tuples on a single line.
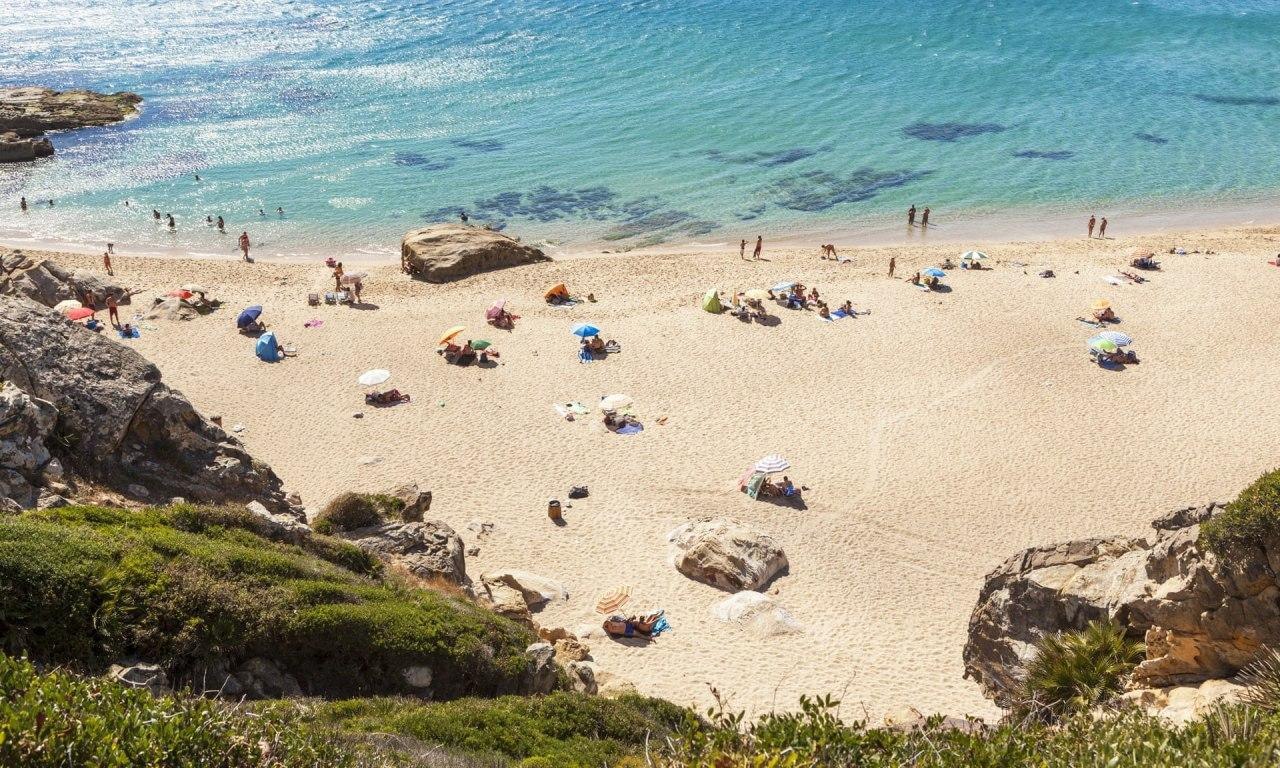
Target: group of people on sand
[(755, 254), (1101, 225)]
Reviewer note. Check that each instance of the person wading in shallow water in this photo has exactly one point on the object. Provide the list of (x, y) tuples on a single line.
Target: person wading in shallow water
[(911, 215), (924, 217), (244, 244)]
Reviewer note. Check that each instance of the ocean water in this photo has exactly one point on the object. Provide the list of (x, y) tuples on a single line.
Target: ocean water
[(635, 122)]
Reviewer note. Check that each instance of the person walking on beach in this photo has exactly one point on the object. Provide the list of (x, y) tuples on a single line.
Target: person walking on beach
[(113, 310), (221, 226), (755, 255), (1092, 222), (893, 264), (22, 205), (911, 215), (244, 244), (1102, 228), (924, 217), (106, 262)]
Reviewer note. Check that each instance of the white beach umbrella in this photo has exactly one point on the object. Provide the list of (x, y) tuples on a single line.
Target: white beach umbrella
[(772, 463), (373, 378), (614, 402), (194, 288), (972, 256), (67, 304), (351, 278)]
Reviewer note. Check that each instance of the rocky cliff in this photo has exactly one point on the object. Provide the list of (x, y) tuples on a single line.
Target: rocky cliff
[(26, 113), (1201, 616)]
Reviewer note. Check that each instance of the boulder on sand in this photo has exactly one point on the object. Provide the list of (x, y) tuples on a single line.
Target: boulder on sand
[(47, 283), (726, 554), (428, 549), (119, 424), (445, 252)]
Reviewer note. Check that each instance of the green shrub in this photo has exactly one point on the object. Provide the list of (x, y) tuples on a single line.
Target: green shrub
[(564, 729), (1262, 680), (536, 762), (348, 511), (1249, 522), (1075, 671), (87, 586), (54, 720)]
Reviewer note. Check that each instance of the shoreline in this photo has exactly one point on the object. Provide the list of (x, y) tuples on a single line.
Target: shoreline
[(1029, 225)]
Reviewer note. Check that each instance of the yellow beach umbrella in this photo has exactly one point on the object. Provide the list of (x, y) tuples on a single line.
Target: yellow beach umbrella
[(1101, 304), (451, 334), (758, 294)]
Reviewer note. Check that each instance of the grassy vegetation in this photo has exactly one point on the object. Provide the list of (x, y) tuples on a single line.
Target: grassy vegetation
[(88, 585), (56, 720), (1247, 523), (348, 511), (1072, 672), (565, 730)]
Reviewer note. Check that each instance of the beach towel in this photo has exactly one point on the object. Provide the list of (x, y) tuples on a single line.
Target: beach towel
[(631, 429), (1114, 279), (839, 313), (585, 356), (132, 333), (313, 323), (660, 626)]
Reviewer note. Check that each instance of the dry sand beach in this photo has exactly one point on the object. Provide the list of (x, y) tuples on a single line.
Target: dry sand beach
[(937, 435)]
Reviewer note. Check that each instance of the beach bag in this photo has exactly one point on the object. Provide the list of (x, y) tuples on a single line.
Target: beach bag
[(578, 492)]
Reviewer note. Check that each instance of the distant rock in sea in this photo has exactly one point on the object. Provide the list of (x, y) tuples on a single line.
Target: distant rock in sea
[(27, 112)]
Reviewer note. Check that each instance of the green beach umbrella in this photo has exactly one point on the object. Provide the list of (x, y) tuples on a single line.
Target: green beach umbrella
[(481, 344), (1102, 345)]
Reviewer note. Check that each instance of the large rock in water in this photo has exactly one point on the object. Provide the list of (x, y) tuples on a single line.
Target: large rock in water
[(22, 149), (31, 110), (117, 423), (445, 252), (47, 283), (1202, 617), (726, 554)]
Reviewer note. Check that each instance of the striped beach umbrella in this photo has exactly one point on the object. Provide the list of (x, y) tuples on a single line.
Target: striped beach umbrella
[(772, 463), (614, 599), (1116, 337), (973, 256)]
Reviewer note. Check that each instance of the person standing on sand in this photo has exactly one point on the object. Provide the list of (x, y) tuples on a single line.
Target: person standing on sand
[(924, 217), (113, 311), (337, 277), (106, 262), (22, 205), (1102, 228), (742, 250), (755, 255), (1092, 222), (911, 215), (244, 244), (893, 264)]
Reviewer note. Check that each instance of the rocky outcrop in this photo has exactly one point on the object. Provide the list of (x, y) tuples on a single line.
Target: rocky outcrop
[(141, 675), (445, 252), (428, 550), (26, 424), (417, 502), (726, 554), (21, 149), (118, 424), (1201, 616), (515, 593), (47, 283), (28, 112), (1181, 704)]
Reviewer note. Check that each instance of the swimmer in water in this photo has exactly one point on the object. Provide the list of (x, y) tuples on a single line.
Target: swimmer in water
[(172, 223)]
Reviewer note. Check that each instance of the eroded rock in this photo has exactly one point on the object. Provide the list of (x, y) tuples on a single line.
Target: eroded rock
[(428, 549), (726, 554), (445, 252), (48, 283)]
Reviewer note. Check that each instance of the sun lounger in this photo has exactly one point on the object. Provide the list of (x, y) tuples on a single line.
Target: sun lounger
[(313, 299)]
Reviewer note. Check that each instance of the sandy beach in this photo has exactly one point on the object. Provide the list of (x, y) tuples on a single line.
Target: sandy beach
[(936, 436)]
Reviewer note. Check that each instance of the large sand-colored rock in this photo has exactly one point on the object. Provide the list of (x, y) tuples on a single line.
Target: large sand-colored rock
[(445, 252), (726, 554)]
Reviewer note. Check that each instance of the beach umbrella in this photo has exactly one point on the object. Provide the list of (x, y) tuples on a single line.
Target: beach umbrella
[(933, 272), (711, 301), (451, 333), (373, 378), (1102, 345), (481, 344), (614, 402), (67, 305), (972, 256), (584, 330), (248, 315), (351, 278), (1116, 337), (494, 311), (772, 463), (614, 599), (783, 286), (79, 313), (757, 294), (1101, 304), (194, 288), (1141, 253), (556, 290)]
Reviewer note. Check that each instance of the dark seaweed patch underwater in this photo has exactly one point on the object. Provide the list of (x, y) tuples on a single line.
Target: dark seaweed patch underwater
[(423, 162), (950, 131), (1056, 154), (479, 145), (1240, 101), (1151, 137), (765, 158), (820, 190)]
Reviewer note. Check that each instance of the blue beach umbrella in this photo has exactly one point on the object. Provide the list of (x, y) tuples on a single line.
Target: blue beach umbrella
[(248, 316), (585, 329), (933, 272), (783, 287)]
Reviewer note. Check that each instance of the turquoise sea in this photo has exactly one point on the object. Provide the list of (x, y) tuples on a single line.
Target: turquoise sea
[(636, 122)]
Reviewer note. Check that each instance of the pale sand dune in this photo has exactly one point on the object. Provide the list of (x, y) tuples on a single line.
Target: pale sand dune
[(938, 435)]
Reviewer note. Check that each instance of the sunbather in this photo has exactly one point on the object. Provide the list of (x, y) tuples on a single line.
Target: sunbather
[(1105, 315), (1145, 262), (915, 279), (1133, 277), (631, 626), (823, 311), (390, 397)]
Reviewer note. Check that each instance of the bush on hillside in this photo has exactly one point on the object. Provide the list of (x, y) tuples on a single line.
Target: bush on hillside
[(349, 511), (566, 730), (88, 585), (1262, 680), (1249, 522), (56, 719), (1072, 672)]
